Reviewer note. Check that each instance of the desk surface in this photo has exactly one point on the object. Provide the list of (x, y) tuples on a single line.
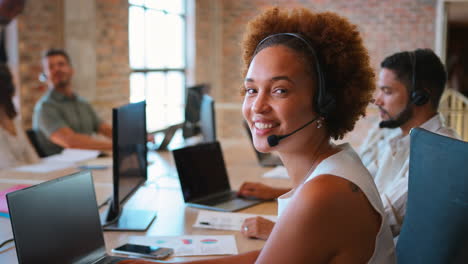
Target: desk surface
[(173, 218)]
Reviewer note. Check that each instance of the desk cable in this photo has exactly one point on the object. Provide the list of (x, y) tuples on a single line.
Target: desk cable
[(105, 202), (6, 242)]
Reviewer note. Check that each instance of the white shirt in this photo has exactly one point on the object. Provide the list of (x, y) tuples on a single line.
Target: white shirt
[(391, 156), (15, 150), (347, 164)]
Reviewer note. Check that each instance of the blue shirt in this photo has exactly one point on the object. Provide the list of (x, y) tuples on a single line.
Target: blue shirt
[(55, 110)]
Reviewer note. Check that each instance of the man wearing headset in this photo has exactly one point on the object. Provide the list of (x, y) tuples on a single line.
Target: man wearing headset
[(410, 86), (61, 117)]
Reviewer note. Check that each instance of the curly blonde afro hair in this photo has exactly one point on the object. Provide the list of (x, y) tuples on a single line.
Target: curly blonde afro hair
[(343, 59)]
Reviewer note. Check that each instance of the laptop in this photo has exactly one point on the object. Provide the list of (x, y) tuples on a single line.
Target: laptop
[(264, 159), (58, 222), (204, 180)]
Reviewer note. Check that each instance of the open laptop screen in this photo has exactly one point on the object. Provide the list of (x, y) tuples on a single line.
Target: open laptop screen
[(201, 170), (57, 221)]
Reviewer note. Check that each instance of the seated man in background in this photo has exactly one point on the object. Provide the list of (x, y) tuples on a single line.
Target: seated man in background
[(410, 85), (61, 117)]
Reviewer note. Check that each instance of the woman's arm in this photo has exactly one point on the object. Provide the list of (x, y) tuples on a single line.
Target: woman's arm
[(245, 258), (328, 219)]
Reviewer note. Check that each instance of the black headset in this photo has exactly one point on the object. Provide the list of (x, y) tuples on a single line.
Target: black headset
[(417, 96), (325, 103)]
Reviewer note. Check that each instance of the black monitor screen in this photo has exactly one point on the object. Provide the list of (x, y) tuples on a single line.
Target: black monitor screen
[(57, 221), (201, 170), (208, 119), (129, 149), (192, 111)]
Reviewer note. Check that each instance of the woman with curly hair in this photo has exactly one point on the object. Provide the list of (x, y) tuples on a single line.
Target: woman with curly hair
[(307, 74)]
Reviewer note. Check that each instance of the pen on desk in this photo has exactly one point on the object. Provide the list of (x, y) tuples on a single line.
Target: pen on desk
[(204, 223)]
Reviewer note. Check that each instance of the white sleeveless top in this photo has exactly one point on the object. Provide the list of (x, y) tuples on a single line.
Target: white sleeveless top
[(16, 150), (347, 164)]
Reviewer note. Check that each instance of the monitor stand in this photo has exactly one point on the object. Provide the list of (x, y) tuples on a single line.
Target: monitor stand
[(130, 220)]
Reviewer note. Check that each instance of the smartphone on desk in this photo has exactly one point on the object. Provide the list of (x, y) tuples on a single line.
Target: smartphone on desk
[(144, 251)]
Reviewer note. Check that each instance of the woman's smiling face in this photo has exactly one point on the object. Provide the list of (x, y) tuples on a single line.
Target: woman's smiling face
[(278, 97)]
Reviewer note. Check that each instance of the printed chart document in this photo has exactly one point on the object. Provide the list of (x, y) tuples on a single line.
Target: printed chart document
[(224, 220), (196, 245), (66, 159)]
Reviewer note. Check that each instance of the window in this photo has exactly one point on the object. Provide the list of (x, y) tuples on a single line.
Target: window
[(157, 59)]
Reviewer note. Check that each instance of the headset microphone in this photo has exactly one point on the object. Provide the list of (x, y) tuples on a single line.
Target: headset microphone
[(273, 140)]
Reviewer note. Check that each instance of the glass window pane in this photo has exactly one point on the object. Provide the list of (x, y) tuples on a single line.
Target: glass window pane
[(176, 42), (157, 41), (155, 101), (136, 37), (137, 87), (156, 44), (175, 115), (175, 97), (171, 6), (136, 2), (156, 4), (175, 88)]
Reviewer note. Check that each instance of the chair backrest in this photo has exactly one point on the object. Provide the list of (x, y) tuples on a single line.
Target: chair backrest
[(32, 135), (435, 229)]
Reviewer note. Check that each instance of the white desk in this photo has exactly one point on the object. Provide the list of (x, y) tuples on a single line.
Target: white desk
[(173, 218)]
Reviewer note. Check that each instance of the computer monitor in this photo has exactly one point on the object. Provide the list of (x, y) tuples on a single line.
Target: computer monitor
[(129, 168), (191, 125), (207, 119)]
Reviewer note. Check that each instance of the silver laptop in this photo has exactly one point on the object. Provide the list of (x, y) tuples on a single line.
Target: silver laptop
[(264, 159), (204, 180), (58, 222)]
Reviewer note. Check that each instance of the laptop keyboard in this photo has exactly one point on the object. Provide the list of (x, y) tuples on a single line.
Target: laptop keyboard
[(111, 260), (220, 199)]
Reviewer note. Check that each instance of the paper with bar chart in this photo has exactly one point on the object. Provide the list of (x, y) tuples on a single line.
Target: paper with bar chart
[(196, 245)]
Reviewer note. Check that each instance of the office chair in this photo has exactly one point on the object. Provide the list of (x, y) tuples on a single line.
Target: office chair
[(435, 229), (32, 136)]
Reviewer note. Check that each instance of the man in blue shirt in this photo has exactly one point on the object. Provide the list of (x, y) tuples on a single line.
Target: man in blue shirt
[(61, 117)]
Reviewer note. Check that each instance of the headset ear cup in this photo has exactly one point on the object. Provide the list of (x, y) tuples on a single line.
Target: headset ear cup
[(326, 105), (419, 97)]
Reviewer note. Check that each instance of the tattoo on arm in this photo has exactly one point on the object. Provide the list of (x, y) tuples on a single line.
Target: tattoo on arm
[(354, 187)]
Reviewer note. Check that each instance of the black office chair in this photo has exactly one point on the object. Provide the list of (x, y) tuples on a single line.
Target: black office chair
[(32, 135), (435, 228)]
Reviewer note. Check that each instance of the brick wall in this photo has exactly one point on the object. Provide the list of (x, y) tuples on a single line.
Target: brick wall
[(386, 26), (113, 68), (41, 26)]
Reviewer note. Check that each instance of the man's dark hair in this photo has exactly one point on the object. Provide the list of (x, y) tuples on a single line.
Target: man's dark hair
[(55, 52), (430, 73)]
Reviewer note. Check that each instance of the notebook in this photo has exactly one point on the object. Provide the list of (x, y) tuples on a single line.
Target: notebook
[(204, 180), (264, 159), (58, 222)]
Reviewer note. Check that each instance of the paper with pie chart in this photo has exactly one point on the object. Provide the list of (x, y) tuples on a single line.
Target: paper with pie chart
[(195, 245)]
